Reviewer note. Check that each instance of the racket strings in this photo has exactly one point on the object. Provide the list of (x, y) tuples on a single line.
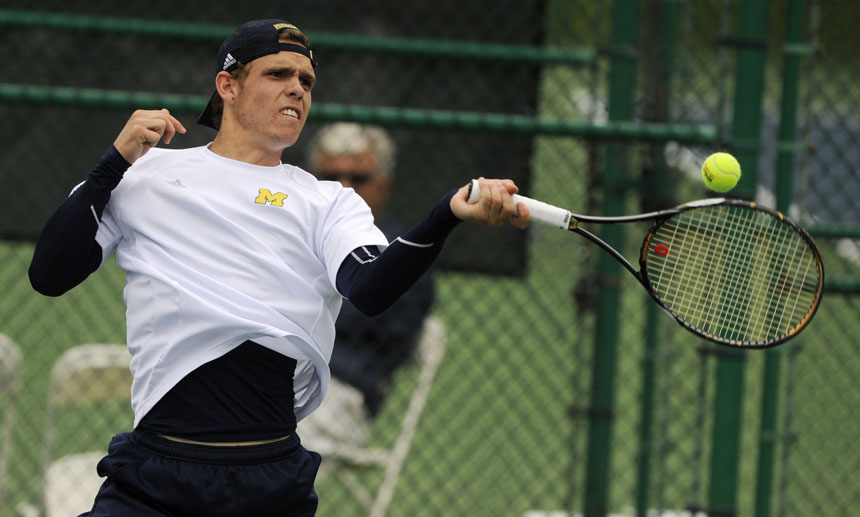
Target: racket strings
[(786, 279), (702, 227), (739, 291), (741, 271), (742, 307), (735, 273)]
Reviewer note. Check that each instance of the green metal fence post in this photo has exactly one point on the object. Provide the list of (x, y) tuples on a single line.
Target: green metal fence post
[(622, 77), (657, 187), (787, 151), (751, 45)]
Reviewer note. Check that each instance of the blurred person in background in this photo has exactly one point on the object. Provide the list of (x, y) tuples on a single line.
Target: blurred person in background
[(367, 351)]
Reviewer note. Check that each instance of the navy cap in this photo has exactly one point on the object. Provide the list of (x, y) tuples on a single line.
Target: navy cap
[(250, 41)]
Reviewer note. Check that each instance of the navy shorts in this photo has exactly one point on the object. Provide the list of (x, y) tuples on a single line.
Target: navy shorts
[(151, 476)]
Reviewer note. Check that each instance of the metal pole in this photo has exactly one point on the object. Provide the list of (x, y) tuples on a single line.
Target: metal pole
[(662, 15), (622, 77), (787, 150), (751, 45), (414, 47), (62, 96)]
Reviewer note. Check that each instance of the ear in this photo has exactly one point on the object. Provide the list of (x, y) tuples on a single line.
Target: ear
[(226, 86)]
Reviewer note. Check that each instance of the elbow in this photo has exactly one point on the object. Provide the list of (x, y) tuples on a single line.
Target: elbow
[(369, 310), (371, 306), (44, 285), (373, 312)]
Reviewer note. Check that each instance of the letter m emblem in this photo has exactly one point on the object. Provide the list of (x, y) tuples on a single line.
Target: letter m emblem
[(266, 196)]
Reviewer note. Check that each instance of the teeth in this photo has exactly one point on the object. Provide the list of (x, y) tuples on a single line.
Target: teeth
[(290, 112)]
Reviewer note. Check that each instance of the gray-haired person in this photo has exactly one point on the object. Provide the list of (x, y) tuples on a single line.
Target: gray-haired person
[(368, 350)]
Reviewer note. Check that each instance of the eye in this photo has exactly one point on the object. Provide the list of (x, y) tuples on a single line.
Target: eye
[(307, 81)]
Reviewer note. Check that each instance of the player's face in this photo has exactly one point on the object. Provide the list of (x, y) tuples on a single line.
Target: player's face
[(274, 99)]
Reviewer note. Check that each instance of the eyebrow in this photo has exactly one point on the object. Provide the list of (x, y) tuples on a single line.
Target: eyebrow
[(303, 74)]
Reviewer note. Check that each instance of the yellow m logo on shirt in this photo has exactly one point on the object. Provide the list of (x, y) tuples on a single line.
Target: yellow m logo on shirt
[(266, 196)]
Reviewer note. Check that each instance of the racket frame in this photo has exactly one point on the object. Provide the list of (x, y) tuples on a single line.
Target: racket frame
[(661, 217), (561, 218)]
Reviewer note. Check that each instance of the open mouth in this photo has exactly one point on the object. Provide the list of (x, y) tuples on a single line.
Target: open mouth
[(290, 112)]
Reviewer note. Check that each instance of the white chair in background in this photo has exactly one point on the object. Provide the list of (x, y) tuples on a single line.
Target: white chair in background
[(85, 374), (345, 459), (10, 385)]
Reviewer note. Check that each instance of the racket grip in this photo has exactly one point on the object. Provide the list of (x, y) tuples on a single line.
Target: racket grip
[(538, 210)]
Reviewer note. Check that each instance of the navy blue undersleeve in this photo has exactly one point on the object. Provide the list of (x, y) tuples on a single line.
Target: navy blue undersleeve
[(66, 251), (372, 281)]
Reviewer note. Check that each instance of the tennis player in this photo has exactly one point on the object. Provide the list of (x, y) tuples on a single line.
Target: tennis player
[(237, 265)]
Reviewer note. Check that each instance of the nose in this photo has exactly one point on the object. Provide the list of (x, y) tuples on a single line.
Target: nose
[(294, 88)]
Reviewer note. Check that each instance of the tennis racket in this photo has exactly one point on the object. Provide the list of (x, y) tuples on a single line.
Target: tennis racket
[(727, 270)]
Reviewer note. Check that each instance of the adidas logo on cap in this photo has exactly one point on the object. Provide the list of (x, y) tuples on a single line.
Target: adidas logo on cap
[(230, 61)]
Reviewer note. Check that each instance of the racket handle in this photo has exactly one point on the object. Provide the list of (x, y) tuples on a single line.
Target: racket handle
[(538, 210)]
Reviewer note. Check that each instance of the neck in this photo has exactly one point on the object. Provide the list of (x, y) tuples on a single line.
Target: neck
[(236, 150)]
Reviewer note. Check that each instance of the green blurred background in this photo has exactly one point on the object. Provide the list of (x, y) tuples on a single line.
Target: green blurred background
[(563, 390)]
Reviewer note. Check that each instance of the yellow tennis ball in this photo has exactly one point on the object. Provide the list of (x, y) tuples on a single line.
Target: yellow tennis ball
[(721, 172)]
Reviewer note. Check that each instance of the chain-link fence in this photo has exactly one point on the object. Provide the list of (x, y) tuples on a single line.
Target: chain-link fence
[(561, 388)]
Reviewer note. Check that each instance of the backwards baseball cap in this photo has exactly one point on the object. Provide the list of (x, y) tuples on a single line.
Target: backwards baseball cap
[(252, 40)]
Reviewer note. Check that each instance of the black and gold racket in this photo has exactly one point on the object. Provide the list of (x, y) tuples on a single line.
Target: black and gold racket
[(727, 270)]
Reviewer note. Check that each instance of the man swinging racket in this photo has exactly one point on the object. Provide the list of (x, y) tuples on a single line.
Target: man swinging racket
[(236, 268)]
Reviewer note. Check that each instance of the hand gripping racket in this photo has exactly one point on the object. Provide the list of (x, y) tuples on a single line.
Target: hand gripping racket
[(727, 270)]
